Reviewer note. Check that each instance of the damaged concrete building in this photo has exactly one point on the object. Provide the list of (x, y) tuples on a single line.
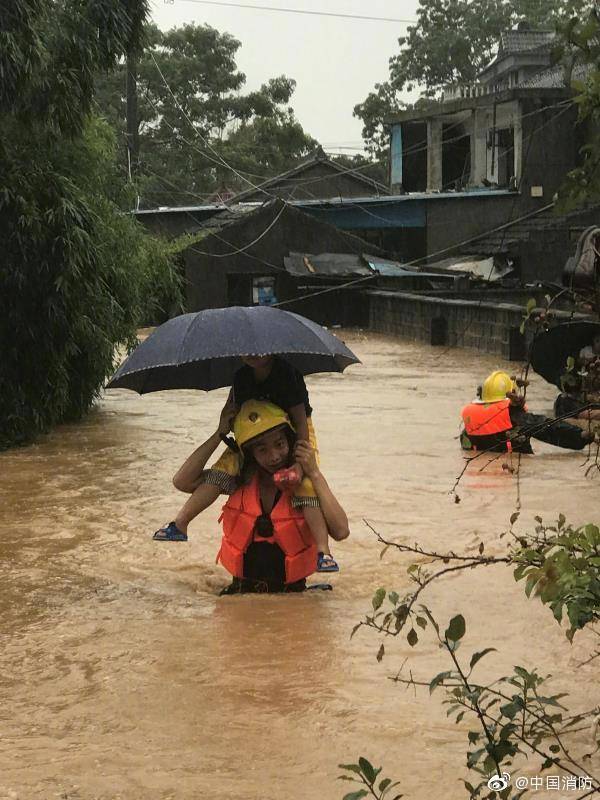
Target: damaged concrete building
[(495, 153)]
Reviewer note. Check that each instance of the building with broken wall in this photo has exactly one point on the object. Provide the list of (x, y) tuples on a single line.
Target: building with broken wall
[(495, 153)]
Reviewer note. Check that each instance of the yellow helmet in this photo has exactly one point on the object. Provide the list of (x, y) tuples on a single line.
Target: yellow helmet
[(256, 417), (496, 386)]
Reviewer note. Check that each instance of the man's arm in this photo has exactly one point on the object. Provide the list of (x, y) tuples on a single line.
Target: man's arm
[(187, 477), (297, 415), (335, 516)]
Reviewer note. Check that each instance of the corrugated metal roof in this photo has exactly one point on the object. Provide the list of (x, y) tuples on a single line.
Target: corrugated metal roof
[(227, 217), (179, 209), (389, 268), (487, 268), (408, 197), (326, 264)]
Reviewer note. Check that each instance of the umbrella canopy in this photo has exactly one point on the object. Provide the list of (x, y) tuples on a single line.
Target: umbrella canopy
[(552, 348), (202, 350)]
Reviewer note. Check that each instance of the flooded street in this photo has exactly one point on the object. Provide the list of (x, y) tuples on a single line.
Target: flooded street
[(125, 676)]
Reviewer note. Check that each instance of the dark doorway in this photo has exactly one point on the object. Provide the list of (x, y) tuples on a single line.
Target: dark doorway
[(456, 159), (505, 146), (239, 289), (414, 156)]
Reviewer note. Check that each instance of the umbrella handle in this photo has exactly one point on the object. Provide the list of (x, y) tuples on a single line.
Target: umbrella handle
[(230, 442)]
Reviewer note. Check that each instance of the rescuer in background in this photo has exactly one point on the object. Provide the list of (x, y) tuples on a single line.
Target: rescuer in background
[(498, 421)]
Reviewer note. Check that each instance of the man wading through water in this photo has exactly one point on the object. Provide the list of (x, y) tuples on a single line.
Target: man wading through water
[(272, 379), (499, 422), (267, 544)]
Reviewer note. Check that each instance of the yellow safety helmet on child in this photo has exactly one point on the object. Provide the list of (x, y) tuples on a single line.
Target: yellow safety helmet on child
[(256, 417), (496, 386)]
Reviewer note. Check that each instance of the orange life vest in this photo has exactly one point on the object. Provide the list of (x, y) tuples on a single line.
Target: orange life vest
[(485, 419), (290, 532)]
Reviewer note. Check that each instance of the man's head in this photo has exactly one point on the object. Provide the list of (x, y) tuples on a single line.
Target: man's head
[(570, 383), (256, 362), (496, 386), (264, 432)]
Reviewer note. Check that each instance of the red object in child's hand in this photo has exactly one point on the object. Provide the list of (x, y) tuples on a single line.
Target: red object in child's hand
[(287, 479)]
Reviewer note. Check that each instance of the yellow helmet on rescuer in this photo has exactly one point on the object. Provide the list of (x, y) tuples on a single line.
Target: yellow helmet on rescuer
[(496, 386), (256, 417)]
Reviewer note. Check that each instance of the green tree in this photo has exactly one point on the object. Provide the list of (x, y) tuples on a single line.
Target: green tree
[(194, 121), (451, 42), (580, 49), (76, 272)]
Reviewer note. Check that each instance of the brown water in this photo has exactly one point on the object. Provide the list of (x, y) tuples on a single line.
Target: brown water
[(125, 676)]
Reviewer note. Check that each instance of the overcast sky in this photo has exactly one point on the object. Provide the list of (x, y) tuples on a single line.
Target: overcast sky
[(335, 61)]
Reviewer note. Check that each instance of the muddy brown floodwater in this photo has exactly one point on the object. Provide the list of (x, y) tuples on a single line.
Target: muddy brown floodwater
[(125, 676)]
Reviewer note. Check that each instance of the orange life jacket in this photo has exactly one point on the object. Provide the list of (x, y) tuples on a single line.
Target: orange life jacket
[(290, 532), (485, 419)]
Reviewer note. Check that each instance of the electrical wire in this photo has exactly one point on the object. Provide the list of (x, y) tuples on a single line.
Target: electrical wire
[(418, 147), (219, 159), (221, 162), (246, 246), (527, 139), (303, 11), (430, 255)]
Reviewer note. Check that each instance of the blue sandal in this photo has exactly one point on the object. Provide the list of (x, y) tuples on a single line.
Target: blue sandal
[(327, 563), (170, 533)]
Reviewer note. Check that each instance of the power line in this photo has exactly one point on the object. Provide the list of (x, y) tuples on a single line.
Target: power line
[(426, 257), (502, 228), (352, 203), (246, 246), (416, 148), (219, 160), (303, 11)]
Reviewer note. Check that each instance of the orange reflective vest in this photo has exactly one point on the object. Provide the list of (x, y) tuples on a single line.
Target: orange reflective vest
[(485, 419), (290, 532)]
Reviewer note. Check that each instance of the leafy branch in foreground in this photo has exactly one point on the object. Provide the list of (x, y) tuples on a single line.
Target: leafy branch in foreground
[(516, 716), (562, 564), (367, 776)]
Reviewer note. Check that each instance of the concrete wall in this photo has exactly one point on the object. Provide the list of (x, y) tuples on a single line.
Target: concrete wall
[(551, 144), (544, 253), (459, 218), (486, 327)]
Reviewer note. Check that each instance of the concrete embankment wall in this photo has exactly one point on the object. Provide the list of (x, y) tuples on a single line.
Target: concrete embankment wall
[(484, 326)]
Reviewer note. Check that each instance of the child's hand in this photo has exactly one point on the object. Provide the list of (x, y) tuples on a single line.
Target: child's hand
[(226, 419), (305, 456), (288, 479), (515, 399)]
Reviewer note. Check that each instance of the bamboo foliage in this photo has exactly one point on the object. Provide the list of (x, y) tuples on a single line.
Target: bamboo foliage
[(77, 275)]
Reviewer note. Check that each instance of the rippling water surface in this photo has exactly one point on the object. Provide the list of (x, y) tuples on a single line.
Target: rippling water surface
[(125, 676)]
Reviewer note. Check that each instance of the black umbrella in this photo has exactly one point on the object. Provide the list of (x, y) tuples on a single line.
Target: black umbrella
[(202, 350), (552, 348)]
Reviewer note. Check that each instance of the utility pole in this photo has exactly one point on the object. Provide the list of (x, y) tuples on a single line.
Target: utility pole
[(133, 142)]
